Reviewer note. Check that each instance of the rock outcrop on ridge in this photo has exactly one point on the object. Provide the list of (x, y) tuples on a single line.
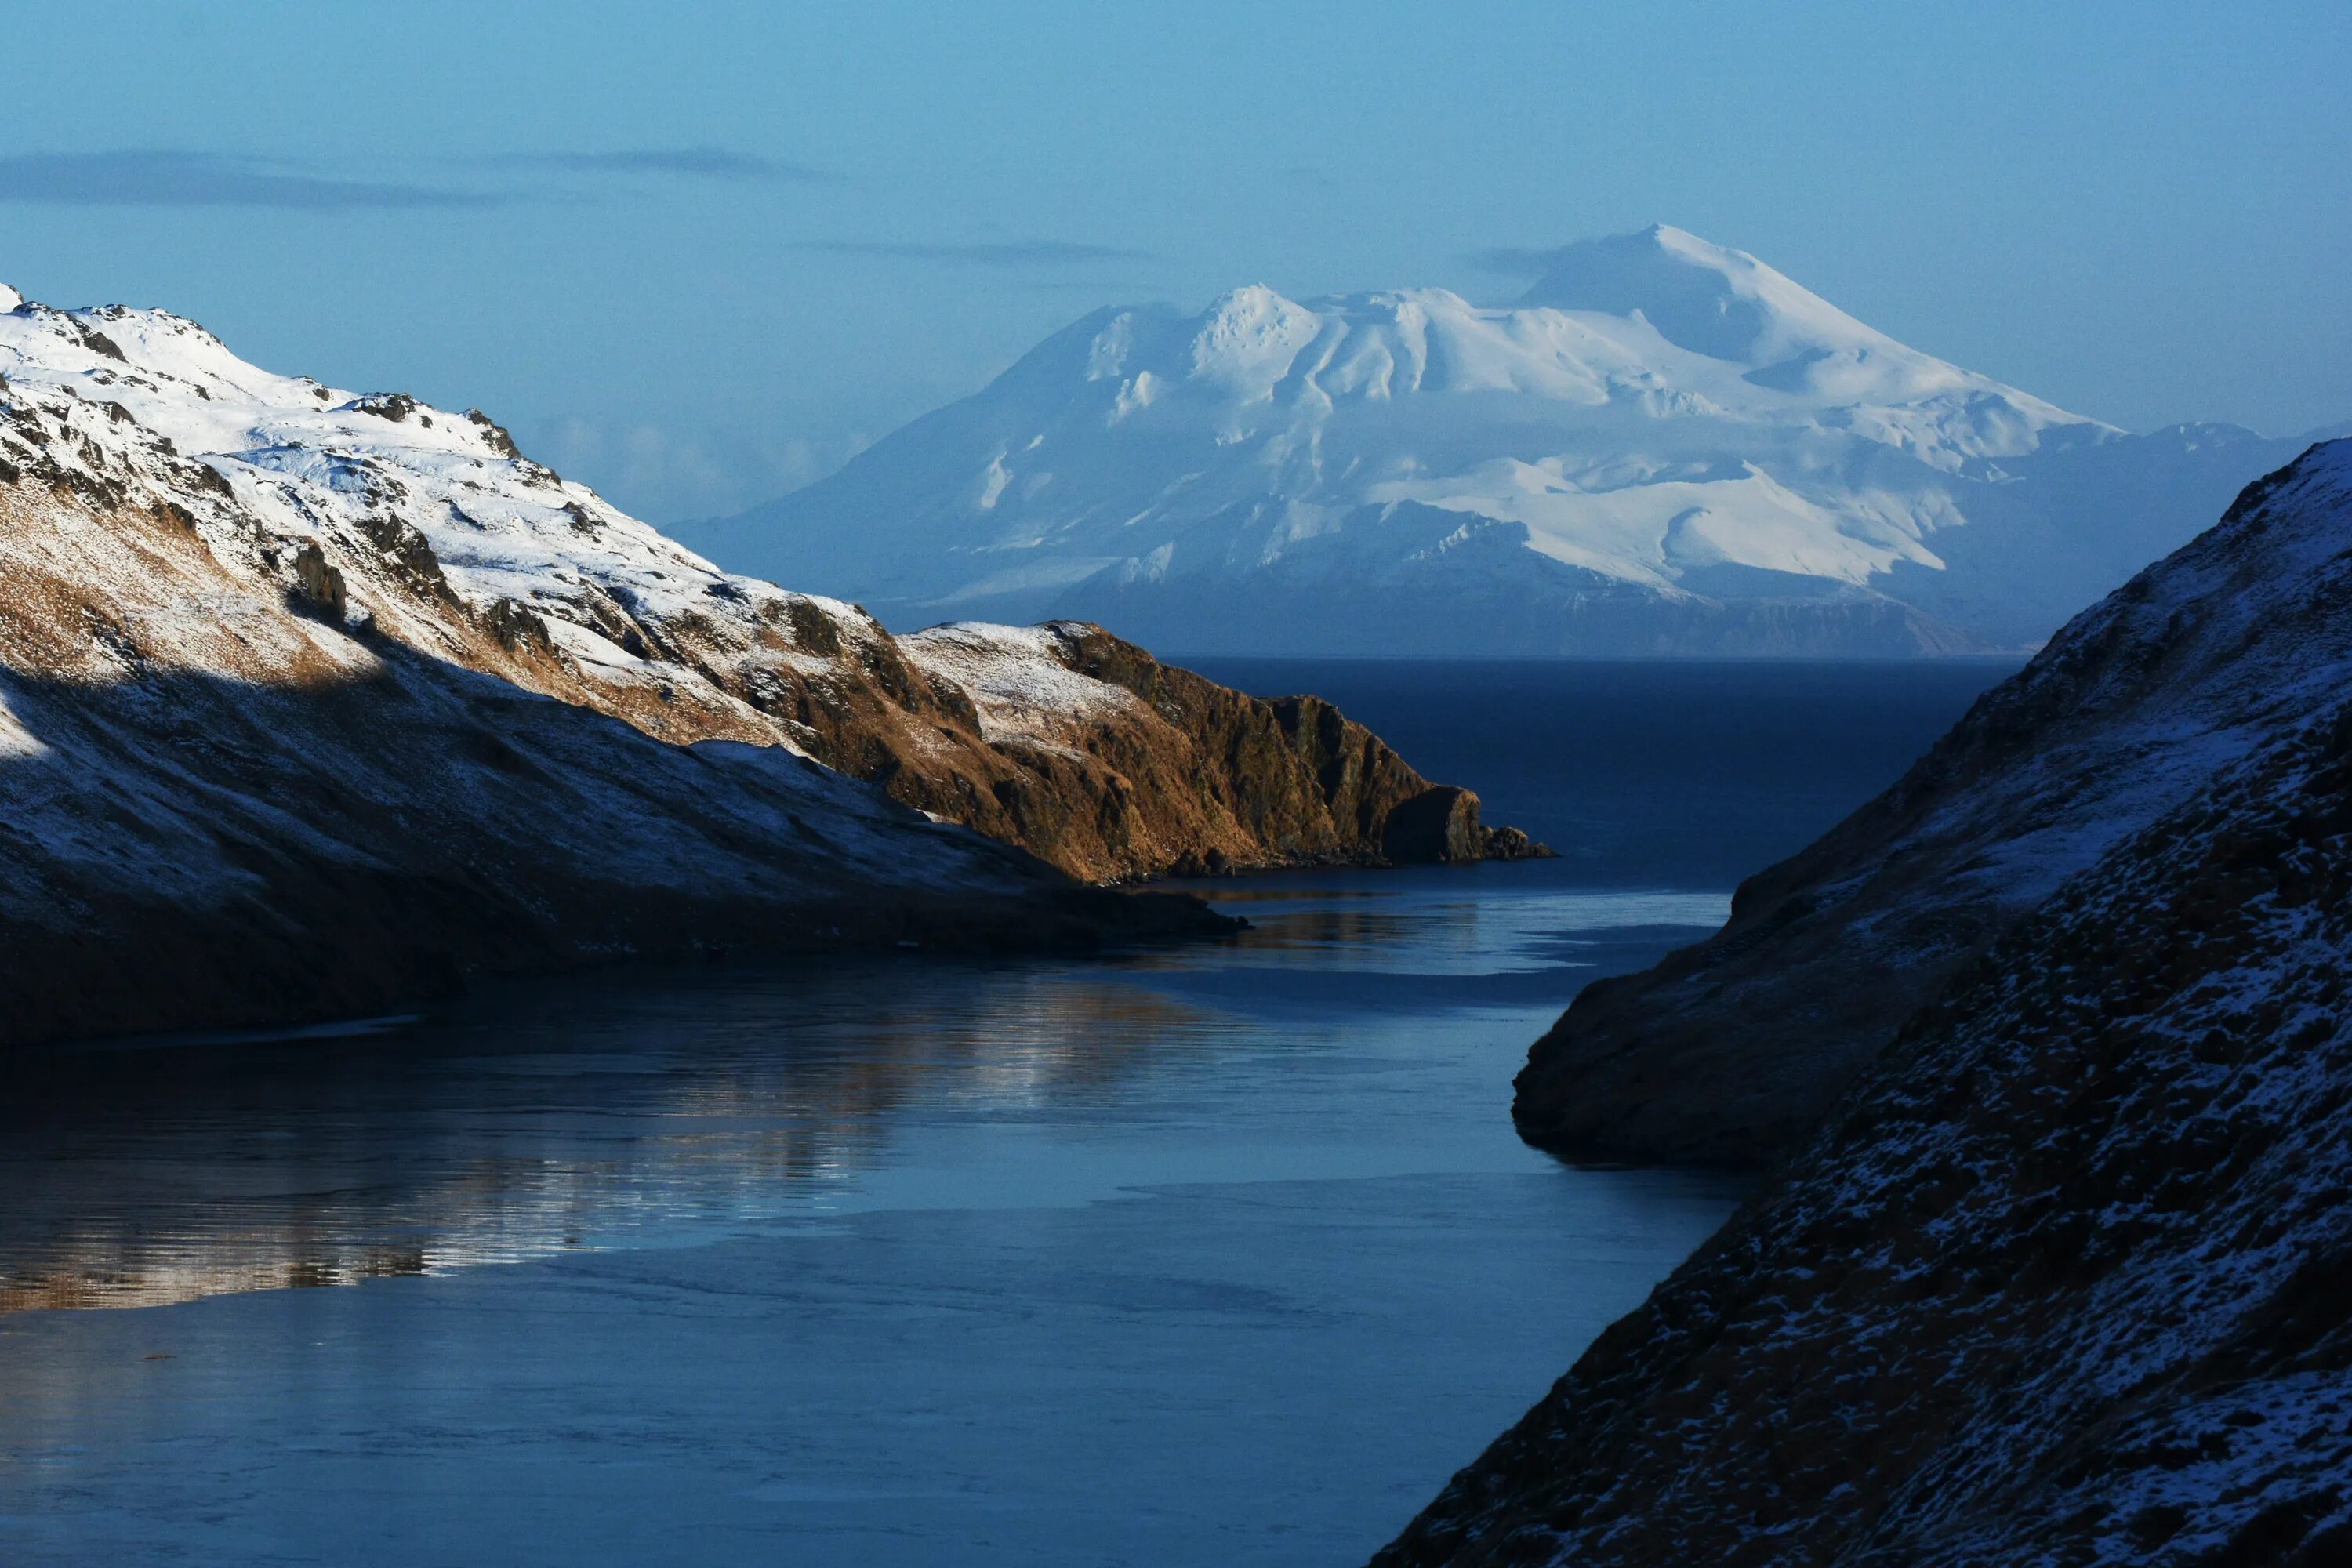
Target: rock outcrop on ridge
[(1113, 764), (309, 698), (2065, 1276)]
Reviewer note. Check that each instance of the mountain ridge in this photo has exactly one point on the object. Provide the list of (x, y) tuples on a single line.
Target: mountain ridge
[(1267, 476)]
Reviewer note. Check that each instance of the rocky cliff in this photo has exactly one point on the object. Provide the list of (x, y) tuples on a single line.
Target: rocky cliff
[(2065, 1274), (1113, 764), (306, 697)]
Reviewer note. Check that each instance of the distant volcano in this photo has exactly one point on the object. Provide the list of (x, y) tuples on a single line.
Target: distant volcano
[(1666, 446)]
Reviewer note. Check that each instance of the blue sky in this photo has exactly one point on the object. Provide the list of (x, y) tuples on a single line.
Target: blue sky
[(696, 254)]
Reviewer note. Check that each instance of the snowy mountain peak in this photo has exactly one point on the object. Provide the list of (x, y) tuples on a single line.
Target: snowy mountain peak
[(9, 298), (1247, 339), (1666, 445), (1706, 298)]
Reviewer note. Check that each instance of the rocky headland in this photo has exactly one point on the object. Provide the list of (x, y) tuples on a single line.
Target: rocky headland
[(2051, 1047), (310, 701)]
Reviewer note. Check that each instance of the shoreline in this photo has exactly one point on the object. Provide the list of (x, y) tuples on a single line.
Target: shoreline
[(180, 1000)]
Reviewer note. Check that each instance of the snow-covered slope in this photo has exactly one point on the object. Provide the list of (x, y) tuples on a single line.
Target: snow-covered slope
[(1665, 446), (268, 748), (433, 521), (261, 638), (2065, 1275)]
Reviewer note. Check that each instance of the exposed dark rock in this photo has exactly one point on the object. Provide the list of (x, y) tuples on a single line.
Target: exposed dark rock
[(1188, 778), (813, 629), (393, 405), (1511, 844), (493, 432), (518, 627), (1437, 825), (98, 343), (408, 554)]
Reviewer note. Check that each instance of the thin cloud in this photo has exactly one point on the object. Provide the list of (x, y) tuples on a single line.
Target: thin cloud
[(160, 177), (1516, 262), (1015, 253), (702, 162), (174, 177)]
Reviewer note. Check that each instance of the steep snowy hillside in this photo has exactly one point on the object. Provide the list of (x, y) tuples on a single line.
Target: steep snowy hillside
[(276, 664), (2134, 711), (2065, 1276), (1667, 446)]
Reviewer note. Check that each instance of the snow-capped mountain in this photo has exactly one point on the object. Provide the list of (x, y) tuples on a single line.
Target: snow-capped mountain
[(310, 700), (1665, 446)]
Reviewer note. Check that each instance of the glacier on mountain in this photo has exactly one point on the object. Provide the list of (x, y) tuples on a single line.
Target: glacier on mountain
[(1664, 446)]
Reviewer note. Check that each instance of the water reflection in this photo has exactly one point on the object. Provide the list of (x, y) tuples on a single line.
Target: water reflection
[(586, 1113), (520, 1124), (1472, 920)]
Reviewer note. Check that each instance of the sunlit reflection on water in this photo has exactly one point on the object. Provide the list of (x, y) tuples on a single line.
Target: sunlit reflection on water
[(542, 1117), (523, 1123)]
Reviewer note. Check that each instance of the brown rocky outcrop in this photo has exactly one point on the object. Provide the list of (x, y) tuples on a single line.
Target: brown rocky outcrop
[(1133, 768)]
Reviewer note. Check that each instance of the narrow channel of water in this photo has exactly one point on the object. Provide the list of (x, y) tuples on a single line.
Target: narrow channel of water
[(1219, 1255)]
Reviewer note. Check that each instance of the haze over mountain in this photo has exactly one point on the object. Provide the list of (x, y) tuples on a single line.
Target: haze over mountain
[(1664, 446)]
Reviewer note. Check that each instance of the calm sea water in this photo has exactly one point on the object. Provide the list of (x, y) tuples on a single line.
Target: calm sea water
[(1688, 774), (1225, 1255)]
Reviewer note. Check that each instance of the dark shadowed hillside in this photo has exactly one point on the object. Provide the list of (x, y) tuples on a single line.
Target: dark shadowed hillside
[(2065, 1276), (1725, 1052)]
